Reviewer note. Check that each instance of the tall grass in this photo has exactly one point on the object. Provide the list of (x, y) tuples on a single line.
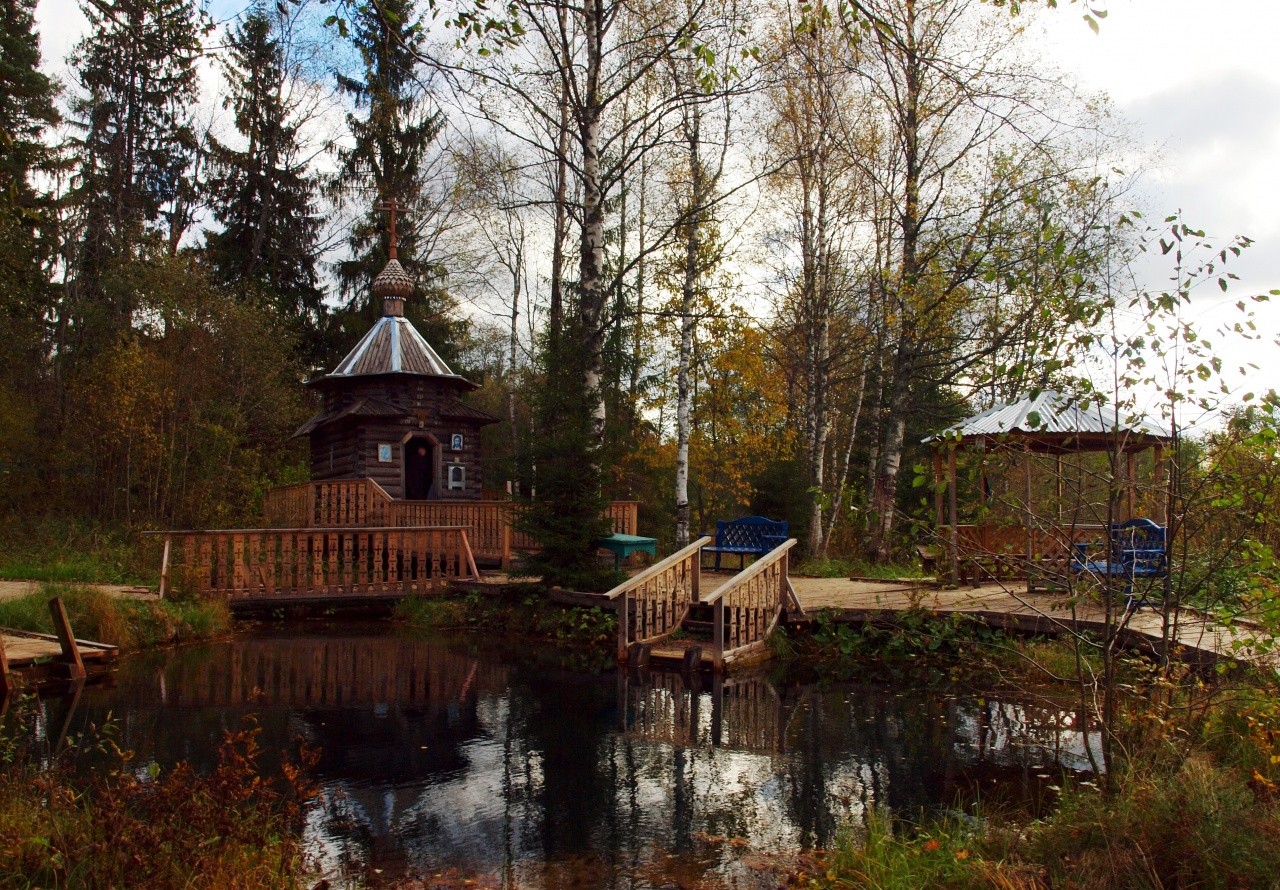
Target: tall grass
[(64, 551), (121, 621)]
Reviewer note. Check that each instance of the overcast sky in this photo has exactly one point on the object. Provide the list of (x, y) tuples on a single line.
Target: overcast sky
[(1197, 82)]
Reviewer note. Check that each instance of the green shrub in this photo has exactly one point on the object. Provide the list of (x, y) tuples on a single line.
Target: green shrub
[(131, 827)]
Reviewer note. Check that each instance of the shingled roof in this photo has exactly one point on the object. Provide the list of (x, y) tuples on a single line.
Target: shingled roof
[(393, 345)]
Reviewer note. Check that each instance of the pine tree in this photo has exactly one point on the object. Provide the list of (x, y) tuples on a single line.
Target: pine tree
[(136, 69), (392, 136), (263, 195), (26, 219)]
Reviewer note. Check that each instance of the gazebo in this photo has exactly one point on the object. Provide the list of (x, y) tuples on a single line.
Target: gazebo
[(1030, 533)]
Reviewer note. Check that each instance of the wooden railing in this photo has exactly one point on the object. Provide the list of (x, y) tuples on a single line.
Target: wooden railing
[(1007, 552), (247, 564), (339, 503), (350, 503), (652, 604), (749, 605)]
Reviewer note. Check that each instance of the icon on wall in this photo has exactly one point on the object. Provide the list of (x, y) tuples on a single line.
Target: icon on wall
[(384, 453), (456, 442)]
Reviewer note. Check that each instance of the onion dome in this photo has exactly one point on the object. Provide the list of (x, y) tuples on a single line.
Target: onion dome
[(394, 285)]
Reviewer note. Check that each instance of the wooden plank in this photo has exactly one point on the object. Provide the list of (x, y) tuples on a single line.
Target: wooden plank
[(70, 651)]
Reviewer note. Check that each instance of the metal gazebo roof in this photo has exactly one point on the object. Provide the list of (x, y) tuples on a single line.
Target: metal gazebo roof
[(1056, 422)]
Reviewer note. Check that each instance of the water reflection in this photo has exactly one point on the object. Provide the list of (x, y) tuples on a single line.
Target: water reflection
[(450, 755)]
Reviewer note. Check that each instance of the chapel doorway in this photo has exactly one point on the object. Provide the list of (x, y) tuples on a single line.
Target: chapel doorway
[(419, 469)]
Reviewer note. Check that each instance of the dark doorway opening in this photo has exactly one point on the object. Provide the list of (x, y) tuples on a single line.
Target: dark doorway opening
[(419, 469)]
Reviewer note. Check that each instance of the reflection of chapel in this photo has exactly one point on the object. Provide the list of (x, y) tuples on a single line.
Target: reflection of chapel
[(391, 411)]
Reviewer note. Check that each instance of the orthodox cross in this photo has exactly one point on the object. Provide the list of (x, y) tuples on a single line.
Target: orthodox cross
[(392, 207)]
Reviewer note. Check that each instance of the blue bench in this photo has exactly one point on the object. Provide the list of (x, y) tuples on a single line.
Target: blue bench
[(748, 536), (1137, 548)]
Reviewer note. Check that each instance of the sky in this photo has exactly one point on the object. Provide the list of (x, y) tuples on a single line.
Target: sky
[(1195, 81)]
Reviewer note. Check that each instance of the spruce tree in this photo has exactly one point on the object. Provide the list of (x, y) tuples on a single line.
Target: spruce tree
[(566, 516), (393, 132), (26, 216), (137, 74), (263, 195)]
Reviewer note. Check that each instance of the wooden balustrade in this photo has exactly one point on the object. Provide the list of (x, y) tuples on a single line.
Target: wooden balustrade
[(654, 602), (749, 605), (1007, 552), (351, 503), (248, 564)]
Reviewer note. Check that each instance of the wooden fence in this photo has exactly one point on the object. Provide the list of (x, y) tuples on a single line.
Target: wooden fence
[(1006, 552), (362, 502), (749, 605), (266, 564), (652, 604)]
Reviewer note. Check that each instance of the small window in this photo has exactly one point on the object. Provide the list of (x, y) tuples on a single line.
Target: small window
[(457, 477)]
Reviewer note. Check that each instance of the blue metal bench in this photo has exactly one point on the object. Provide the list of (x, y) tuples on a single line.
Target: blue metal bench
[(1137, 548), (748, 536)]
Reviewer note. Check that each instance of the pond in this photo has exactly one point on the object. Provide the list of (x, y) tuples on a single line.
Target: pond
[(501, 766)]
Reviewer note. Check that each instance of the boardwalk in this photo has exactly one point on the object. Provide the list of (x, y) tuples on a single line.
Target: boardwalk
[(1011, 607)]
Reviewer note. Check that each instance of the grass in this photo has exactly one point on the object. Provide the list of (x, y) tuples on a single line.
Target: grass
[(127, 826), (896, 856), (67, 552), (121, 621)]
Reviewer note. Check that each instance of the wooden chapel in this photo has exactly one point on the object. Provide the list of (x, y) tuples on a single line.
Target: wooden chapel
[(391, 410)]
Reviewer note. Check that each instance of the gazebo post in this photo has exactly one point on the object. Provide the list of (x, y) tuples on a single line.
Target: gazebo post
[(1057, 484), (954, 543), (1159, 470), (1026, 463), (1131, 487), (937, 488)]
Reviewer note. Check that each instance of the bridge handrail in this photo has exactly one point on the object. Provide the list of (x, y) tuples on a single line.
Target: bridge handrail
[(747, 607), (653, 603), (657, 568)]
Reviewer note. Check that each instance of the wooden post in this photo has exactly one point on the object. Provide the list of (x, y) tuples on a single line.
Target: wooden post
[(695, 585), (953, 543), (717, 635), (471, 560), (1131, 487), (1162, 486), (506, 517), (1026, 461), (937, 488), (70, 651), (164, 565), (624, 619), (6, 679)]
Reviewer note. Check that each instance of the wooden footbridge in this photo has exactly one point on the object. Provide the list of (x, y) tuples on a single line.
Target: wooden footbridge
[(666, 615)]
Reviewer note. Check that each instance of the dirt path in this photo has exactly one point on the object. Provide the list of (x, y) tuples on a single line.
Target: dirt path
[(13, 589)]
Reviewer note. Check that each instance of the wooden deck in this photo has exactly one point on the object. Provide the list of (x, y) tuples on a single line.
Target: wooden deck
[(39, 657), (1009, 606)]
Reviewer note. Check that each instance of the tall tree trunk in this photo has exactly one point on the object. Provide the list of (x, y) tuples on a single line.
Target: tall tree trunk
[(592, 294), (561, 222), (688, 296)]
